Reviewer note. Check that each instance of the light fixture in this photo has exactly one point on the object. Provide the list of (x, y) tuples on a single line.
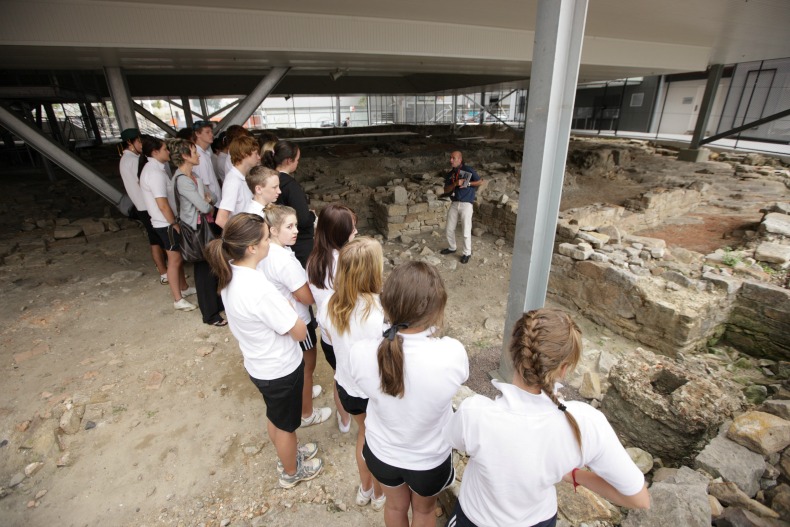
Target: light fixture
[(337, 74)]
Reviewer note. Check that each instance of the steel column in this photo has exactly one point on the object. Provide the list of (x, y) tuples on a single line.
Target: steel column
[(555, 71), (249, 104), (64, 159), (121, 100), (169, 130), (714, 78), (187, 110)]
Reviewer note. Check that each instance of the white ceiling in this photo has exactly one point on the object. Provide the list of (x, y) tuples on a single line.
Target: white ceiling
[(377, 38)]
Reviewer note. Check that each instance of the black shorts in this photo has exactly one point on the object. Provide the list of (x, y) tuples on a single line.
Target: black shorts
[(169, 238), (426, 483), (143, 217), (283, 398), (309, 342), (329, 354), (351, 404), (459, 519)]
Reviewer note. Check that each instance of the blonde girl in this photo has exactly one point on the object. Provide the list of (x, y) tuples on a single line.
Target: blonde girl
[(354, 313), (410, 377), (268, 331), (286, 273), (527, 440)]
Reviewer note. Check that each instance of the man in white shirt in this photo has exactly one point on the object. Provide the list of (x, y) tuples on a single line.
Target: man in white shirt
[(204, 136), (130, 160)]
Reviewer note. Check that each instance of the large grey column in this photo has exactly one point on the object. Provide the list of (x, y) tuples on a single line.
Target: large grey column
[(121, 100), (63, 158), (694, 153), (250, 103), (337, 111), (555, 71)]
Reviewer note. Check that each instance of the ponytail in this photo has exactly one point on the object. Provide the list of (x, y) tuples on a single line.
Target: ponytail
[(390, 360), (241, 231)]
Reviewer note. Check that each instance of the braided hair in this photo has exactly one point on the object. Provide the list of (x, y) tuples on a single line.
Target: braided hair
[(544, 342)]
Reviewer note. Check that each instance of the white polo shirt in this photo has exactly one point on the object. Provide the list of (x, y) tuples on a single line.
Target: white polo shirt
[(153, 184), (205, 171), (128, 168), (369, 328), (253, 207), (321, 296), (520, 445), (235, 194), (218, 161), (260, 319), (285, 272), (406, 432)]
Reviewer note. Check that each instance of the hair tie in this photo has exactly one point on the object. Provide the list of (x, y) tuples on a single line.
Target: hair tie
[(562, 407), (390, 333)]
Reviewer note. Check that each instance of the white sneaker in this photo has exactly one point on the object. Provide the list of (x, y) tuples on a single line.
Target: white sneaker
[(184, 305), (317, 390), (163, 279), (377, 503), (304, 452), (189, 291), (318, 416), (344, 429), (363, 496)]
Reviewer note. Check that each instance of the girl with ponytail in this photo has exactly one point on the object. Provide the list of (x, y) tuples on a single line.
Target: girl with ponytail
[(410, 377), (527, 440), (269, 331)]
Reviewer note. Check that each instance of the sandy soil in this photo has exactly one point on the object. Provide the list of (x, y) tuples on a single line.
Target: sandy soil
[(174, 431)]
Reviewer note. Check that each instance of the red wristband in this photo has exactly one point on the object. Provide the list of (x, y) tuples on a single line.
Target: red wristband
[(573, 477)]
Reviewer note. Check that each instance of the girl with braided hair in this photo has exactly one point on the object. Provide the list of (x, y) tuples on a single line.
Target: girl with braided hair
[(524, 442), (410, 377)]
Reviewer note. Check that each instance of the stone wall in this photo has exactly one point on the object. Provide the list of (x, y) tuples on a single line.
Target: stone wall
[(398, 212), (760, 321), (640, 308)]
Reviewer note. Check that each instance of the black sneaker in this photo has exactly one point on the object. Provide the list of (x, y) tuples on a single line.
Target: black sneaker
[(447, 251), (465, 258)]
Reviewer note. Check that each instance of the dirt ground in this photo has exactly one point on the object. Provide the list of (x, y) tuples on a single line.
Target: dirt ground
[(174, 431)]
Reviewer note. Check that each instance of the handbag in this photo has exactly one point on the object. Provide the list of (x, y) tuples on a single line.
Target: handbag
[(193, 241)]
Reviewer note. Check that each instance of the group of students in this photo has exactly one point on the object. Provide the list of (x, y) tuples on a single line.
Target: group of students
[(394, 373)]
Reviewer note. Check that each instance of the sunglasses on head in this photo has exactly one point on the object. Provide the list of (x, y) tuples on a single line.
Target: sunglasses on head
[(201, 124)]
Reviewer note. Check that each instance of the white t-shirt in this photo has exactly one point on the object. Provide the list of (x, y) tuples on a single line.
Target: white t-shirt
[(406, 432), (260, 319), (228, 164), (253, 207), (154, 184), (359, 329), (236, 194), (321, 296), (520, 445), (128, 169), (205, 171), (285, 272)]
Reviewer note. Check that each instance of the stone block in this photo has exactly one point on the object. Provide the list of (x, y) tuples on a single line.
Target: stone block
[(773, 253), (566, 231), (417, 208), (729, 494), (645, 241), (397, 210), (641, 458), (575, 251), (760, 432), (399, 195), (776, 223), (584, 505), (591, 386), (685, 505), (614, 234), (69, 231), (662, 406), (596, 239), (729, 460), (778, 407)]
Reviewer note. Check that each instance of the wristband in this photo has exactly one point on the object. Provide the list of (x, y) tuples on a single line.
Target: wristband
[(573, 477)]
